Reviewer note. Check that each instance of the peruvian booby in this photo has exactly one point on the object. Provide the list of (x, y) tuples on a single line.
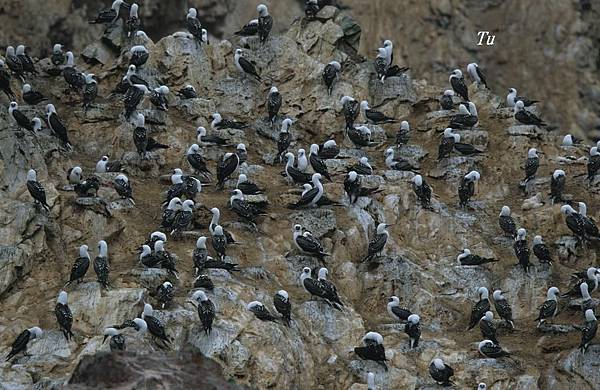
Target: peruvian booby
[(586, 299), (360, 136), (184, 217), (104, 165), (311, 9), (5, 82), (193, 25), (311, 198), (503, 308), (422, 190), (133, 22), (590, 227), (285, 138), (265, 23), (206, 310), (21, 120), (330, 74), (244, 66), (467, 258), (381, 64), (413, 330), (549, 308), (403, 134), (487, 327), (521, 248), (397, 163), (123, 187), (158, 98), (591, 279), (168, 215), (302, 163), (216, 214), (331, 294), (219, 241), (205, 139), (247, 187), (90, 91), (574, 221), (282, 304), (31, 96), (204, 281), (80, 266), (155, 326), (75, 175), (249, 29), (244, 209), (463, 148), (308, 244), (117, 340), (75, 79), (155, 236), (588, 330), (350, 109), (133, 79), (375, 116), (377, 243), (464, 119), (36, 190), (557, 185), (525, 117), (218, 122), (570, 140), (187, 92), (260, 311), (164, 258), (20, 343), (480, 307), (58, 128), (531, 164), (317, 164), (362, 167), (165, 293), (507, 223), (226, 166), (101, 264), (512, 99), (466, 188), (13, 62), (458, 84), (446, 144), (541, 251), (133, 97), (477, 74), (446, 101), (241, 152), (372, 349), (143, 142), (109, 16), (64, 317), (57, 57), (196, 160), (593, 164), (273, 104), (441, 372), (397, 312), (354, 189), (139, 55), (489, 349), (149, 259)]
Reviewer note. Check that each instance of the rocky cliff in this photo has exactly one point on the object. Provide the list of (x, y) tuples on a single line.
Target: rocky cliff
[(419, 264)]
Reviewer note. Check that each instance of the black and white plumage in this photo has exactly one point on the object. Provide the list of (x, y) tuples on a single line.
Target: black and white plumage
[(446, 144), (354, 189), (525, 117), (372, 349), (31, 96), (588, 330), (206, 310), (512, 99), (245, 210), (226, 166), (311, 9), (22, 340), (139, 55), (375, 116), (549, 308), (123, 187), (317, 164), (446, 101), (441, 372), (329, 288), (557, 185), (487, 327), (480, 307), (541, 250), (26, 61), (242, 153), (13, 62), (158, 98), (75, 79), (216, 214), (109, 16), (381, 64), (482, 386), (260, 311), (350, 109), (90, 91), (467, 258), (244, 66), (64, 317), (247, 187), (477, 74), (249, 29), (187, 92), (168, 215), (458, 84), (132, 78), (219, 241), (285, 138), (591, 279), (360, 136), (465, 119), (142, 141), (184, 217), (489, 349), (155, 326), (570, 140), (57, 58), (273, 103), (503, 308), (531, 164), (403, 134), (265, 23), (104, 165), (218, 122), (21, 120), (196, 161), (330, 74), (362, 167), (193, 25), (463, 148), (149, 259), (593, 164), (164, 259), (36, 190), (117, 340), (574, 221), (101, 264), (507, 223), (58, 128), (422, 190), (205, 139), (521, 248), (466, 188), (134, 96), (302, 160), (5, 81), (377, 243), (165, 293), (397, 163), (413, 330), (80, 266), (311, 198), (75, 175), (133, 23), (282, 304), (397, 312), (204, 281), (308, 244), (590, 227)]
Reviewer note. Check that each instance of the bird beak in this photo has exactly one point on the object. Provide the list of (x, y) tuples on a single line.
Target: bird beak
[(389, 224), (105, 337)]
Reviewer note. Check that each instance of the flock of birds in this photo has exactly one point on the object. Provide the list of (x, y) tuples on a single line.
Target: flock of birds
[(179, 214)]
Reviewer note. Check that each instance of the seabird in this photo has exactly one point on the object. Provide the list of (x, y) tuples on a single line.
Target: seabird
[(80, 266), (489, 349), (168, 215), (507, 223), (58, 128), (446, 144), (249, 29), (20, 343), (123, 187), (31, 96), (588, 330), (200, 254), (362, 167), (134, 96), (241, 152), (64, 317), (413, 330), (441, 372), (219, 241), (57, 58), (377, 244), (480, 307), (541, 251), (591, 279), (244, 209), (313, 286), (302, 160), (311, 9), (204, 281), (476, 74), (317, 164), (13, 62), (103, 165), (193, 25), (482, 386), (330, 74), (133, 78), (574, 221), (593, 164), (308, 244), (5, 82), (90, 91), (354, 190), (466, 188), (512, 99), (209, 140), (155, 236), (260, 311), (586, 299), (403, 134), (549, 308), (101, 264), (311, 197), (557, 185), (503, 308), (463, 148), (117, 340), (216, 214), (329, 288), (20, 118), (139, 55), (372, 349), (531, 164), (525, 117), (570, 140), (147, 258), (487, 327), (196, 160), (466, 258), (381, 64), (397, 312), (374, 116), (360, 136), (155, 326), (285, 138), (244, 66), (351, 109), (37, 124), (164, 293), (184, 217), (464, 119), (36, 190), (422, 190), (164, 258), (206, 310), (218, 122), (143, 142), (226, 166), (75, 79), (74, 175), (247, 187), (265, 23), (158, 98), (282, 304), (273, 104), (188, 92), (521, 248), (591, 230), (446, 101), (109, 16), (458, 84), (397, 164), (133, 23)]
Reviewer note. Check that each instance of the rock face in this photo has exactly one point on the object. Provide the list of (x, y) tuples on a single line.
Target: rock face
[(418, 265)]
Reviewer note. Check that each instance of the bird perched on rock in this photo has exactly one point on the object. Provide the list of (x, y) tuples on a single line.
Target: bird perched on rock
[(593, 164), (541, 251), (308, 244), (285, 138), (282, 304), (64, 317), (512, 99), (374, 116), (188, 92), (123, 187), (158, 98), (557, 185), (101, 264), (477, 74), (549, 308), (80, 266), (184, 217), (265, 23), (117, 340), (58, 128), (422, 190), (247, 187), (193, 25), (109, 16), (165, 293), (354, 189), (317, 164), (273, 104), (245, 210), (464, 119), (480, 307), (441, 372), (244, 66), (531, 164), (31, 96), (351, 109), (503, 307), (372, 349), (139, 55), (260, 311), (196, 160), (574, 221), (403, 134), (458, 84), (362, 167), (330, 74), (413, 330), (487, 327), (507, 223), (377, 244), (446, 101), (397, 163), (396, 311), (206, 310), (466, 188), (21, 342), (446, 144), (310, 198), (329, 288), (521, 248), (155, 326), (525, 117), (36, 190), (489, 349), (466, 258), (90, 91), (588, 330), (133, 97), (226, 166), (133, 23)]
